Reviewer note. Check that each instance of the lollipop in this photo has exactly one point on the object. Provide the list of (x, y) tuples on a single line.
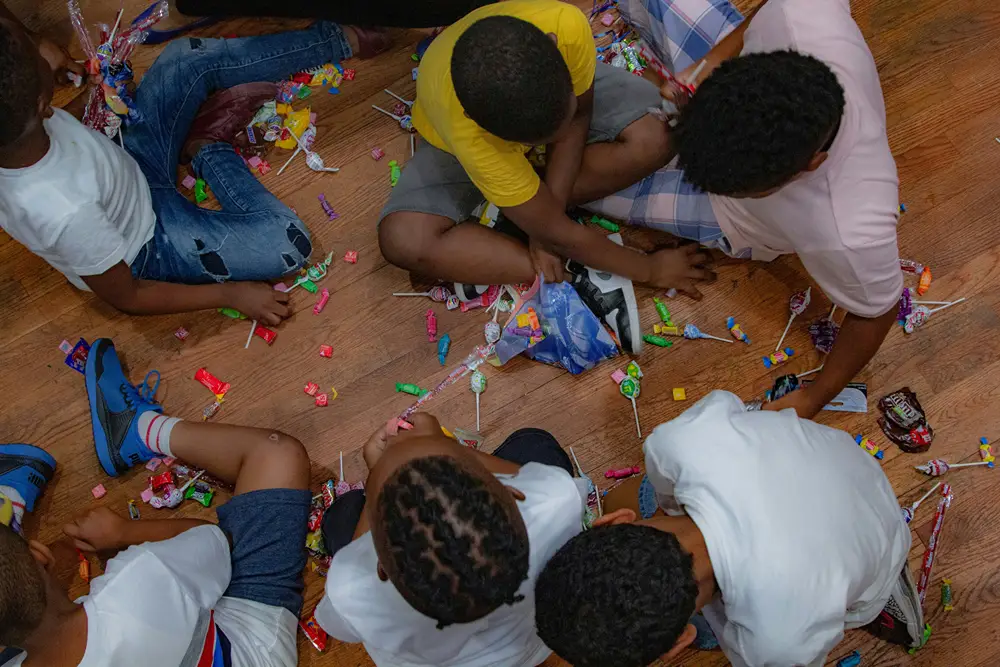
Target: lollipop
[(797, 304), (436, 294), (342, 485), (629, 387), (823, 333), (593, 493), (492, 332), (938, 467), (691, 332), (315, 162), (908, 512), (921, 313), (477, 382)]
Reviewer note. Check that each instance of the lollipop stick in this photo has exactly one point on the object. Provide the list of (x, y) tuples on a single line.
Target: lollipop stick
[(933, 303), (253, 327), (191, 481), (477, 413), (411, 293), (832, 311), (815, 370), (925, 496), (947, 306), (387, 113), (576, 461), (784, 333), (298, 149), (724, 340), (967, 465), (341, 467), (413, 145), (697, 70), (406, 102), (635, 410)]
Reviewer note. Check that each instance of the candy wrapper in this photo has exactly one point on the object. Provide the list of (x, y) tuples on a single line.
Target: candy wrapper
[(927, 563), (823, 333), (903, 421), (77, 358), (315, 634)]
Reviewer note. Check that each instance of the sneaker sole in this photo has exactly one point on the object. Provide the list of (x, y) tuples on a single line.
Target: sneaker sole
[(40, 465), (101, 446)]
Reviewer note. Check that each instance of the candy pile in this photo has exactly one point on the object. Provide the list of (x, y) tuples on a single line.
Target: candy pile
[(179, 482)]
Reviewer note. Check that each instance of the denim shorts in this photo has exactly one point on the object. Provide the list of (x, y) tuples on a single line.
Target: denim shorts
[(268, 533)]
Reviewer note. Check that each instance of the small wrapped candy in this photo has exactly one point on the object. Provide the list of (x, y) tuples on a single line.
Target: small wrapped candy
[(658, 341), (351, 256), (869, 446), (779, 357), (823, 333), (322, 400), (622, 473), (905, 305), (925, 281), (311, 388), (314, 633), (985, 451), (452, 302), (411, 389), (432, 326), (377, 153), (736, 330), (661, 310), (321, 303), (946, 598), (491, 330), (443, 346)]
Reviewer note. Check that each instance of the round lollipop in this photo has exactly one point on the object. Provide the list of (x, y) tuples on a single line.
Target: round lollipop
[(436, 294), (492, 331), (797, 304), (477, 381), (908, 512), (342, 486), (629, 387), (938, 467), (920, 314), (315, 163), (691, 332)]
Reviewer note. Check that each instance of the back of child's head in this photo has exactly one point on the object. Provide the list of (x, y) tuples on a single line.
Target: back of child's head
[(757, 121), (19, 80), (615, 596), (455, 548), (22, 590), (511, 79)]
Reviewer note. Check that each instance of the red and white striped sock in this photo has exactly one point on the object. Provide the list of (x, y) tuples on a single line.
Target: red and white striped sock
[(154, 429)]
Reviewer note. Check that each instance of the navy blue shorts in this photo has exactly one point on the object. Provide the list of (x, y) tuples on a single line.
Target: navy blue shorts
[(268, 533)]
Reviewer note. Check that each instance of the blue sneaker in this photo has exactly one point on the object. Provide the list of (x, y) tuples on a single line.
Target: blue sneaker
[(115, 406), (27, 469)]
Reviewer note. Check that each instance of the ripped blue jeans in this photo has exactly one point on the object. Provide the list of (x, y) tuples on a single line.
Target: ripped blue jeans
[(254, 236)]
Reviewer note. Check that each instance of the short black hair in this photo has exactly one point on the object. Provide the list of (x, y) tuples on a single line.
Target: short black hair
[(19, 81), (22, 590), (456, 551), (615, 596), (757, 121), (511, 79)]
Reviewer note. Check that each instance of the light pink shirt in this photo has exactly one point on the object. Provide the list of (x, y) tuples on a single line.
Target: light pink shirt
[(841, 218)]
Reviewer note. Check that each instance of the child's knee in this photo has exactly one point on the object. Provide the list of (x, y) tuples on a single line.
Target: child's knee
[(406, 238), (649, 139), (291, 455), (295, 243)]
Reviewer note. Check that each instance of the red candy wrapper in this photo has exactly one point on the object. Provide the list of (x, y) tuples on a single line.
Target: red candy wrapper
[(311, 388), (329, 493), (351, 257), (162, 480), (325, 351), (181, 333), (932, 544), (322, 400), (349, 74), (315, 519), (214, 384), (316, 635), (265, 333)]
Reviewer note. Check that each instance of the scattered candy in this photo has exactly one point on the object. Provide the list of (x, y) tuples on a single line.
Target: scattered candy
[(330, 213), (823, 333), (351, 256), (393, 173), (492, 332), (199, 191), (153, 464), (925, 281), (477, 382), (736, 330), (679, 394), (65, 347), (629, 388), (452, 302), (903, 421), (661, 310), (436, 294), (692, 332), (324, 297), (869, 446), (188, 182), (852, 660), (133, 511), (659, 341), (263, 332), (311, 388), (314, 633), (214, 384), (98, 491), (604, 223), (326, 351), (909, 511), (985, 451), (443, 346), (181, 333), (666, 330), (778, 358), (618, 376), (946, 599), (932, 544), (910, 266), (797, 305), (622, 473), (77, 357), (432, 325), (84, 568), (411, 389), (146, 495), (322, 400)]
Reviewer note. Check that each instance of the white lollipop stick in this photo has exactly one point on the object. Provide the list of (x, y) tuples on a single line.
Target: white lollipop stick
[(968, 465), (406, 102), (298, 149), (387, 113), (341, 466), (832, 311), (914, 506), (191, 481), (577, 462), (724, 340), (477, 412), (411, 293), (815, 370), (784, 333), (697, 70), (635, 411), (933, 303), (413, 144), (315, 162), (947, 306), (253, 327)]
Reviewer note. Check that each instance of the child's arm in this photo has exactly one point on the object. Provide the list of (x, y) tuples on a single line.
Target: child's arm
[(545, 220), (730, 47), (103, 530), (135, 296), (56, 56)]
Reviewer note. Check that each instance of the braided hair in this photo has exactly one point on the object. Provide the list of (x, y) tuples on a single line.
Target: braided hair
[(453, 549)]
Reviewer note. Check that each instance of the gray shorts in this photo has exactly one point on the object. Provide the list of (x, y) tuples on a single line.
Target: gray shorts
[(435, 182)]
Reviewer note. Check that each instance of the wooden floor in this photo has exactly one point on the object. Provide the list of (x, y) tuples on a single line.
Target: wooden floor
[(939, 72)]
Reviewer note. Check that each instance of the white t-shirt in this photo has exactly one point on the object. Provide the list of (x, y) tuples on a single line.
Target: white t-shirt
[(840, 219), (152, 605), (358, 607), (804, 531), (84, 207)]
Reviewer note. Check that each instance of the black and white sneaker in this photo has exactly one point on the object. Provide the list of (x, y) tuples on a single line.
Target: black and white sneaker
[(467, 292), (612, 299), (902, 620)]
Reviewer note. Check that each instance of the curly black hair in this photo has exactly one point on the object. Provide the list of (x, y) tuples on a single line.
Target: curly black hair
[(22, 590), (615, 596), (19, 81), (511, 79), (456, 552), (757, 121)]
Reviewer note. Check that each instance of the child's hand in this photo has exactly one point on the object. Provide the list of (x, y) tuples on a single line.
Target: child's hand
[(259, 301), (680, 268), (59, 60), (98, 530), (376, 445), (546, 263)]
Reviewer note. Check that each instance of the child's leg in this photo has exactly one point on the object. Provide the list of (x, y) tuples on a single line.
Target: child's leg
[(533, 445), (420, 229), (626, 143)]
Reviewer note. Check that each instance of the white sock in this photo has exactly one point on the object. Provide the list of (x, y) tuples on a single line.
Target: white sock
[(154, 429), (18, 502)]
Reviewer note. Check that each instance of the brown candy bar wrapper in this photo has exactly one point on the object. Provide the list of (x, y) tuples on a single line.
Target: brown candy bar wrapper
[(904, 421)]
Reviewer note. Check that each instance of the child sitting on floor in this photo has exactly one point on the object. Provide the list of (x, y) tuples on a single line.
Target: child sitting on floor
[(507, 77), (446, 548), (180, 591), (111, 219), (783, 532)]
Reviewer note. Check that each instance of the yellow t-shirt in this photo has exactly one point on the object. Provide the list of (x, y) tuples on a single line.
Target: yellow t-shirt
[(497, 167)]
